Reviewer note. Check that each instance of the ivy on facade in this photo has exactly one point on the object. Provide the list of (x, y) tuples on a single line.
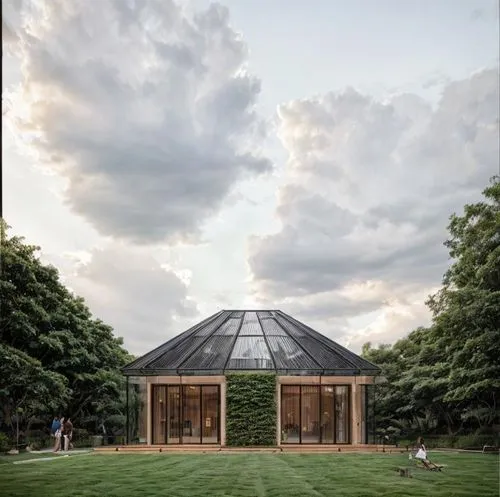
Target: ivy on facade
[(251, 409)]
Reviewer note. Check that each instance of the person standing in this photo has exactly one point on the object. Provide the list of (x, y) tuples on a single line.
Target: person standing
[(68, 434), (58, 426)]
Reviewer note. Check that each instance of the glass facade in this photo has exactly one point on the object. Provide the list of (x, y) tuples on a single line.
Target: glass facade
[(137, 406), (313, 414), (368, 414), (187, 414)]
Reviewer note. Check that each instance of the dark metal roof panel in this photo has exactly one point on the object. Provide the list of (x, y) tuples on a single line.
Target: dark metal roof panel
[(251, 325), (265, 314), (229, 328), (354, 359), (272, 328), (250, 340), (211, 355), (143, 361), (288, 355)]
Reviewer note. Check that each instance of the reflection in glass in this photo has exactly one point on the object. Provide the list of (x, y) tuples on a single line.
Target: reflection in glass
[(307, 418), (173, 414), (328, 414), (210, 417), (341, 414), (187, 415), (310, 414), (191, 414), (251, 325), (369, 413), (159, 414), (250, 353), (137, 409), (290, 413)]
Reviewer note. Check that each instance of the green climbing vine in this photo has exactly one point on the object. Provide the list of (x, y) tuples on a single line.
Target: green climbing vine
[(251, 409)]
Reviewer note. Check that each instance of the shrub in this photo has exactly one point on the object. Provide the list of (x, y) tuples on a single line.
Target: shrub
[(81, 438), (476, 441), (251, 409), (5, 442)]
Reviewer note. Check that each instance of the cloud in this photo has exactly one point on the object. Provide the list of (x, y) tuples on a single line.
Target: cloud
[(146, 110), (369, 188), (488, 12), (128, 289)]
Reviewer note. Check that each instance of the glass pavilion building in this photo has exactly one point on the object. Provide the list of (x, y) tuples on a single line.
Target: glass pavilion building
[(176, 393)]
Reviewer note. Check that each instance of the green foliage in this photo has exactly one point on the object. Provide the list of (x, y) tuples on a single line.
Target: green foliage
[(447, 377), (54, 356), (5, 442), (251, 409)]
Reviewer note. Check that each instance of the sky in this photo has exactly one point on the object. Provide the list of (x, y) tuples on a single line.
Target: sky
[(176, 159)]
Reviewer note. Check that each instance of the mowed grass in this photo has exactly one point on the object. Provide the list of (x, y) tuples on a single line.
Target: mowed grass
[(249, 475)]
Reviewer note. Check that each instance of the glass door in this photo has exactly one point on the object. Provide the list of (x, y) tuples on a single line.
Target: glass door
[(173, 415), (327, 415), (159, 414), (191, 414), (210, 416)]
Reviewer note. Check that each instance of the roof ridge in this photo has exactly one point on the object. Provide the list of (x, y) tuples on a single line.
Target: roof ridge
[(233, 341), (266, 341)]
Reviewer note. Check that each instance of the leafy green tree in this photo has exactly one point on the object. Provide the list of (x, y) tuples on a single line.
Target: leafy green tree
[(50, 342), (448, 375), (467, 309), (27, 387)]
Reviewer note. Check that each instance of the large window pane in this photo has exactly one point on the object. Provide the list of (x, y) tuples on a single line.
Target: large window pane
[(210, 418), (159, 414), (310, 414), (342, 414), (328, 414), (369, 395), (137, 409), (191, 414), (290, 413), (173, 415)]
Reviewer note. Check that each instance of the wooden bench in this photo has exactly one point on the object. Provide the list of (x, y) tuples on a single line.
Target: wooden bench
[(490, 448)]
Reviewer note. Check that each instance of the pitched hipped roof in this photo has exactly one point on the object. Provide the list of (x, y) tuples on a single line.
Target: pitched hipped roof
[(250, 340)]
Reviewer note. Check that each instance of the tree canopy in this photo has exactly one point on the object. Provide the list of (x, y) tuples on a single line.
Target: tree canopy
[(54, 355), (447, 376)]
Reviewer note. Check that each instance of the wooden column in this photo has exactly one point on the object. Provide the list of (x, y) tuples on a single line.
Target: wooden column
[(223, 413), (149, 411), (356, 434)]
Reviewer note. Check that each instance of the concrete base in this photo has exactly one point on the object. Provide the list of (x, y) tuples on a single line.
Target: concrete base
[(288, 448)]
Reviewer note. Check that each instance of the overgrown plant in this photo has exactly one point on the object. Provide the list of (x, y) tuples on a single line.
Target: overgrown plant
[(251, 409)]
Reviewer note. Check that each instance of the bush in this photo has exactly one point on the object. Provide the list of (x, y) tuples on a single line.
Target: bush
[(251, 409), (472, 441), (476, 441), (39, 443), (5, 442), (81, 438)]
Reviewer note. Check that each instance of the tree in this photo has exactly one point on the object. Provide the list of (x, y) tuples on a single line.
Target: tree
[(54, 354), (467, 309), (449, 374)]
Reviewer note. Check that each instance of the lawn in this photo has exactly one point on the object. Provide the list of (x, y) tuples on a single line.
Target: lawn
[(248, 475)]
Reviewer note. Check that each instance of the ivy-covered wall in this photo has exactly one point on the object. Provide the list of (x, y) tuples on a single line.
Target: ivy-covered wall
[(251, 409)]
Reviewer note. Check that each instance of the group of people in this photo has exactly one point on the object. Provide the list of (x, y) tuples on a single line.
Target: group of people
[(62, 430)]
